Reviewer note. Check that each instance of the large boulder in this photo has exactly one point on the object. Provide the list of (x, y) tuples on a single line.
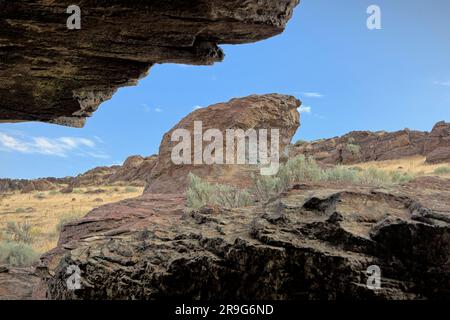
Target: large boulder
[(53, 74), (272, 111)]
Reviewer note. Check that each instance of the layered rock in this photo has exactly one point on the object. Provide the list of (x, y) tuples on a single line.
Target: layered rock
[(17, 283), (364, 146), (53, 74), (134, 172), (272, 111), (315, 242)]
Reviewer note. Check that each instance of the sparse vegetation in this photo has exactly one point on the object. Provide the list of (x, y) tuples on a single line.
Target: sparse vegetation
[(39, 196), (201, 193), (442, 171), (130, 190), (353, 148), (19, 232), (17, 254), (294, 171), (301, 143), (44, 214)]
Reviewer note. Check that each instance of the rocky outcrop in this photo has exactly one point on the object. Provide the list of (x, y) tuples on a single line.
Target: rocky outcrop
[(272, 111), (437, 148), (364, 146), (53, 74), (25, 186), (315, 242), (134, 172)]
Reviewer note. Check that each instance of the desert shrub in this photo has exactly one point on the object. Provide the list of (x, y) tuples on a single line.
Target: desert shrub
[(19, 232), (302, 168), (200, 193), (341, 174), (53, 193), (301, 143), (353, 148), (130, 190), (17, 254), (20, 210), (39, 196), (442, 171)]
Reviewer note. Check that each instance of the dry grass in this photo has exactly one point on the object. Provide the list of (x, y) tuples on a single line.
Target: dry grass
[(44, 210), (415, 165)]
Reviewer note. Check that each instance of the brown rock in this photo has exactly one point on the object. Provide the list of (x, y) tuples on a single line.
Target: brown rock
[(364, 146), (271, 111), (52, 74), (315, 242)]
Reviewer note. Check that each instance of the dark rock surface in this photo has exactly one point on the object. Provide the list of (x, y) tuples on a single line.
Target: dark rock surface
[(315, 242), (364, 146), (52, 74)]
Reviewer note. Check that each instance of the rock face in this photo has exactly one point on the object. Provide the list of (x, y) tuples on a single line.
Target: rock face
[(53, 74), (315, 242), (437, 147), (272, 111), (133, 172), (363, 146)]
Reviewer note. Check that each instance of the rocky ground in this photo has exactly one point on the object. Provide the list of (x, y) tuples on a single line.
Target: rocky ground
[(314, 242)]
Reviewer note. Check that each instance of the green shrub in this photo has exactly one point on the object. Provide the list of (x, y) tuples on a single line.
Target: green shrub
[(54, 193), (353, 148), (301, 143), (19, 232), (131, 190), (20, 210), (200, 193), (17, 254), (442, 171)]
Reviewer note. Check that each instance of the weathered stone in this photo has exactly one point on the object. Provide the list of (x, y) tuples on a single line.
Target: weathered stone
[(272, 111), (315, 242), (52, 74), (364, 146)]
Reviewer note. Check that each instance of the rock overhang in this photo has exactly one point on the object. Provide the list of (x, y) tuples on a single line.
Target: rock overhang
[(52, 74)]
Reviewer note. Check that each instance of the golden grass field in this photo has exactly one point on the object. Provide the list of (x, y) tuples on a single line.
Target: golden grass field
[(415, 165), (44, 211)]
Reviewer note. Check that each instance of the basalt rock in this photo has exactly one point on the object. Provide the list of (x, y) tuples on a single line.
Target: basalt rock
[(271, 111), (314, 242), (364, 146), (52, 74)]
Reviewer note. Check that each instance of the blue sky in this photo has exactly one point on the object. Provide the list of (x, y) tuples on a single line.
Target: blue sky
[(348, 77)]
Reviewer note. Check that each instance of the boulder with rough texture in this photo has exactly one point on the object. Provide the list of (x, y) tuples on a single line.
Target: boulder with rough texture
[(271, 111), (52, 74), (364, 146), (437, 148), (314, 242)]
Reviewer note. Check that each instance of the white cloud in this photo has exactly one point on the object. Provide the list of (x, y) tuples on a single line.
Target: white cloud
[(158, 110), (443, 83), (197, 107), (60, 147), (304, 109), (312, 94)]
